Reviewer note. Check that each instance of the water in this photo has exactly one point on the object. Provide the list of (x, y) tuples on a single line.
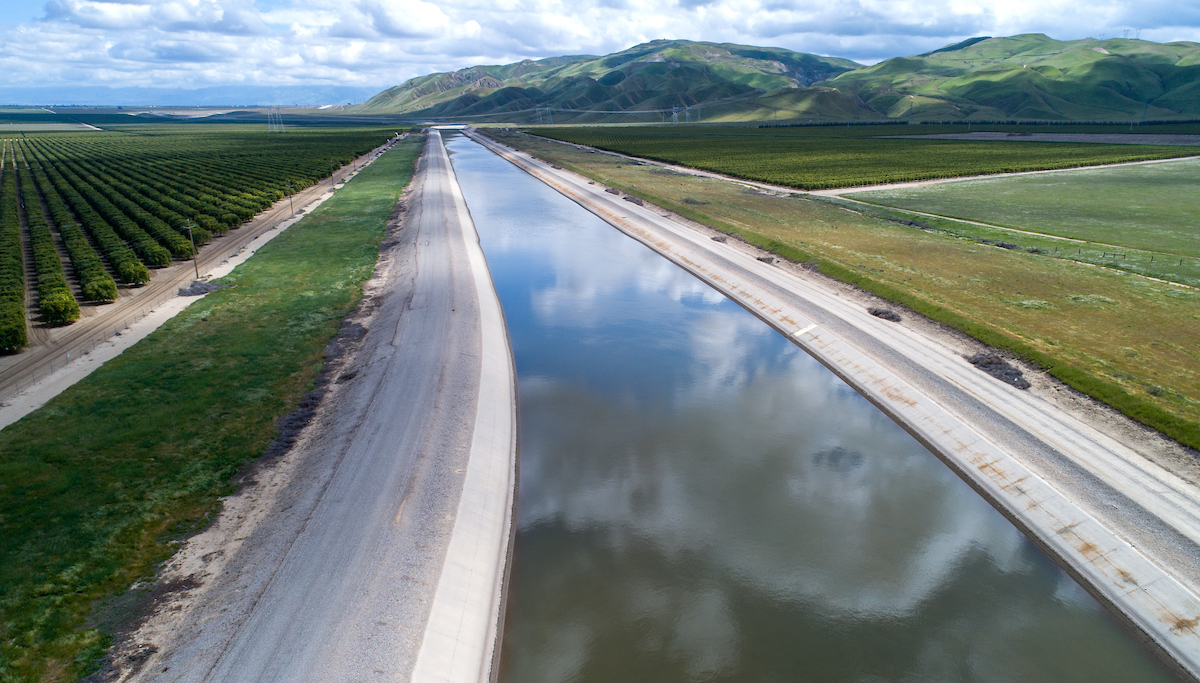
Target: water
[(700, 500)]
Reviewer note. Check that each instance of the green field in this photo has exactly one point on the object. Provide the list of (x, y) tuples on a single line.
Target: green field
[(818, 157), (1150, 207), (95, 485)]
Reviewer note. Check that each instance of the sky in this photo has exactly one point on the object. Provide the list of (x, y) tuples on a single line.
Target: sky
[(380, 43)]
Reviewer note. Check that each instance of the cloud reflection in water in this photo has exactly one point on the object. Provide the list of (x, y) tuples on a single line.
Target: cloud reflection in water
[(700, 500)]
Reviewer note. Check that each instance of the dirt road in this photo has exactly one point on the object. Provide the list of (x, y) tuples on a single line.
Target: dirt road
[(1127, 527), (336, 564), (49, 346)]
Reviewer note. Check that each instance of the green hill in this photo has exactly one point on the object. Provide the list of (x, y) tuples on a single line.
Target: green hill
[(1026, 77), (643, 83), (1035, 77)]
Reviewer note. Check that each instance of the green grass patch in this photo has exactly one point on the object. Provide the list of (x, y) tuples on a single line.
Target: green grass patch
[(1152, 207), (1159, 264), (794, 158), (95, 484)]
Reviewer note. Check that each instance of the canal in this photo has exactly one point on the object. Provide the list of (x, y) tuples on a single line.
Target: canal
[(699, 500)]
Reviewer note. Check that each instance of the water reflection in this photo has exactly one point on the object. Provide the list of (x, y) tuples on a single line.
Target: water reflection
[(699, 500)]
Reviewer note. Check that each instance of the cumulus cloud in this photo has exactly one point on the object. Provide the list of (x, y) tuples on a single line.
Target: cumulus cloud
[(175, 43)]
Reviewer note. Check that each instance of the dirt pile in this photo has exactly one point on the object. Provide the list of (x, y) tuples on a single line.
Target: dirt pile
[(199, 287), (999, 368), (885, 313)]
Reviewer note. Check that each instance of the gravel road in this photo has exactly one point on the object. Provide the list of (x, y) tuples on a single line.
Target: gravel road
[(328, 571)]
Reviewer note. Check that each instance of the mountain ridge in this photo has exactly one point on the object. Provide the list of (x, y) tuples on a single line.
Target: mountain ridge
[(1022, 77), (650, 77)]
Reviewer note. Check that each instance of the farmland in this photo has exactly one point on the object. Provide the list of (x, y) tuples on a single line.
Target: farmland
[(1124, 340), (828, 156), (101, 209), (1154, 208), (95, 485)]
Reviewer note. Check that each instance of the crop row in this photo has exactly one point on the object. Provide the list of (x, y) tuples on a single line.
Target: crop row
[(55, 301), (121, 202), (215, 181), (95, 284), (120, 257), (148, 250), (12, 263), (120, 197), (821, 162)]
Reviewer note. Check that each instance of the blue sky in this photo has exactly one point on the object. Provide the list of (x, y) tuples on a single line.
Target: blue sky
[(379, 43)]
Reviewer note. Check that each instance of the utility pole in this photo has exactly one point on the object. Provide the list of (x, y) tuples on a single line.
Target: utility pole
[(290, 203), (193, 240)]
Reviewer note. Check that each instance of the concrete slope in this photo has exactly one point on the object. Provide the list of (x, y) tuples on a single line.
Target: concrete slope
[(409, 468), (1127, 528)]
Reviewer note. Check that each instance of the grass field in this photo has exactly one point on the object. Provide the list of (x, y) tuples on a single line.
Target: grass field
[(826, 157), (1127, 340), (1171, 267), (1154, 207), (95, 485)]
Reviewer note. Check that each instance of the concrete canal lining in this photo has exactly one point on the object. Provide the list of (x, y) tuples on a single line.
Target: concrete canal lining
[(1140, 560), (461, 642)]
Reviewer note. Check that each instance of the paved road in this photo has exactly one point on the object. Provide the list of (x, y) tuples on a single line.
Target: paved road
[(1142, 522), (49, 346), (338, 582)]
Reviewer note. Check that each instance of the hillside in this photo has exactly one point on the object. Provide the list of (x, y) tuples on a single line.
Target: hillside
[(1035, 77), (1028, 77), (641, 84)]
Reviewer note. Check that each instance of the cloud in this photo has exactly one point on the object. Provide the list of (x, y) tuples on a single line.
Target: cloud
[(225, 17), (170, 43)]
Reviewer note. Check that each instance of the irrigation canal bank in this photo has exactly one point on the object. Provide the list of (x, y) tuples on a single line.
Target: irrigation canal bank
[(701, 499), (376, 547)]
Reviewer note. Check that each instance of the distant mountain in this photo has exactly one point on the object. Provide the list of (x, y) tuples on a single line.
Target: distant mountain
[(217, 96), (1029, 77), (641, 83), (1035, 77)]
